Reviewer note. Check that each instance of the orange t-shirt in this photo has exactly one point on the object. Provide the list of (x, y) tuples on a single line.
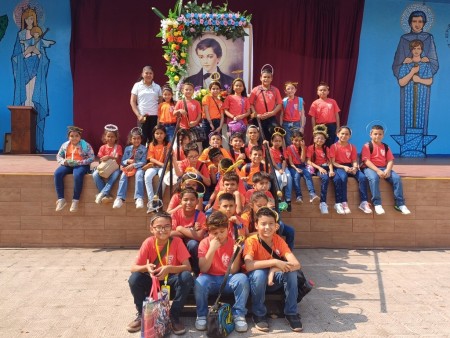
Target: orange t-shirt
[(253, 170), (157, 152), (73, 153), (214, 107), (255, 249), (165, 113)]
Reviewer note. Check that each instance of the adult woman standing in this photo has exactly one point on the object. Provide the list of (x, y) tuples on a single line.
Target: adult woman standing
[(145, 97)]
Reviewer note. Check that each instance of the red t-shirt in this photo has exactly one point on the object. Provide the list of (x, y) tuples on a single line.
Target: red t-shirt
[(272, 98), (324, 111), (108, 151), (200, 166), (255, 249), (379, 157), (321, 155), (219, 185), (194, 110), (237, 105), (222, 256), (343, 154), (177, 252), (276, 155), (293, 152), (292, 111), (179, 218)]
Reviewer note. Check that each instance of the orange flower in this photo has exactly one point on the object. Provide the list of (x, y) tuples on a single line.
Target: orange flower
[(179, 39), (180, 27), (170, 38), (182, 61)]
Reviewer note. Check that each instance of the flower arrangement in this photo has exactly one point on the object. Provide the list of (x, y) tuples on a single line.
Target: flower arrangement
[(200, 93), (191, 21)]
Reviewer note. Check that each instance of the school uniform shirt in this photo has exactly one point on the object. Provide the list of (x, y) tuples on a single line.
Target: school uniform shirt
[(157, 152), (194, 110), (248, 150), (205, 158), (231, 225), (343, 154), (321, 155), (165, 113), (236, 105), (277, 155), (246, 216), (216, 201), (292, 111), (255, 249), (176, 256), (105, 150), (214, 107), (200, 166), (324, 111), (379, 157), (219, 185), (179, 218), (295, 156), (222, 256), (253, 170), (271, 96)]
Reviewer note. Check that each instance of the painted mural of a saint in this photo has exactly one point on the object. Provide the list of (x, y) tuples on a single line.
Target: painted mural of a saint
[(30, 67), (415, 64)]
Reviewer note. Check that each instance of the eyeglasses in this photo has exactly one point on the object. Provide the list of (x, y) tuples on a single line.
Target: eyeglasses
[(163, 228)]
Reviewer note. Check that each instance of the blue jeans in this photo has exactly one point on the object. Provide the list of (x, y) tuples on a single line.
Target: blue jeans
[(340, 185), (102, 187), (138, 185), (258, 286), (288, 126), (148, 178), (288, 188), (374, 185), (192, 246), (182, 283), (78, 177), (324, 180), (331, 130), (170, 130), (296, 179), (288, 232), (206, 285)]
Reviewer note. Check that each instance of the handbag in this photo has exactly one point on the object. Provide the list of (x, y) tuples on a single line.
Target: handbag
[(155, 312), (219, 321), (304, 286), (106, 168), (236, 127)]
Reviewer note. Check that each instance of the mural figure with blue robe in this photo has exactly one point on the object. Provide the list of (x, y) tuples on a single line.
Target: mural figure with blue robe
[(30, 68), (415, 64)]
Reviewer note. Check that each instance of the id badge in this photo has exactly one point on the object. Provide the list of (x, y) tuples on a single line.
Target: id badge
[(166, 288)]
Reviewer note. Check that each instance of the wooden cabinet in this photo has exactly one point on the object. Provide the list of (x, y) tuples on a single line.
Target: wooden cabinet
[(23, 129)]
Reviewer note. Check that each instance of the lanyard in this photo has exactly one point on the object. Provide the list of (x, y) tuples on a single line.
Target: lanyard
[(159, 257)]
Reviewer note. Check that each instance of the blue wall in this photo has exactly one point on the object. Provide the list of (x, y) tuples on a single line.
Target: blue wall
[(376, 95), (59, 78)]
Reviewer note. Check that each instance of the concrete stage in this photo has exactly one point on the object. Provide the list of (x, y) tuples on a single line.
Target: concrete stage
[(28, 219)]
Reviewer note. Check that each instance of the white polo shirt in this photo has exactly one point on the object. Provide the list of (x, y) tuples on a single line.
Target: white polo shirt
[(147, 97)]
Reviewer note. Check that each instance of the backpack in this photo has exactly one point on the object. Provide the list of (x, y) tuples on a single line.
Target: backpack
[(248, 165), (363, 165), (300, 103)]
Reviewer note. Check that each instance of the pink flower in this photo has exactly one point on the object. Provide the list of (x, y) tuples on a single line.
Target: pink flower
[(201, 21), (192, 29), (230, 16)]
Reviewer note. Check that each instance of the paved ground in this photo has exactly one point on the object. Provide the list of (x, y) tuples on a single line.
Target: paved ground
[(83, 293)]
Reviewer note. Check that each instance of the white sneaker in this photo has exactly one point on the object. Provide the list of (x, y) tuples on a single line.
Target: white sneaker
[(346, 208), (139, 203), (60, 204), (314, 199), (339, 209), (74, 206), (379, 210), (323, 208), (365, 207), (200, 323), (98, 198), (403, 209), (117, 203), (240, 324)]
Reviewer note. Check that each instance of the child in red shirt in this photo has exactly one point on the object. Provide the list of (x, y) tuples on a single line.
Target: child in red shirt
[(237, 107), (215, 253), (188, 108), (171, 267), (192, 164), (325, 111), (266, 272), (227, 205), (293, 113), (248, 170)]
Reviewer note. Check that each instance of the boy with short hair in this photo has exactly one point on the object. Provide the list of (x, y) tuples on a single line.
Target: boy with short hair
[(230, 184), (192, 164), (255, 165), (167, 259), (227, 205), (215, 253), (261, 182), (261, 264), (378, 162)]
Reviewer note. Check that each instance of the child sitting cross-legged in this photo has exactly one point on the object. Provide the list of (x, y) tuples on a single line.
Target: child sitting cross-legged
[(167, 259), (260, 263), (215, 253)]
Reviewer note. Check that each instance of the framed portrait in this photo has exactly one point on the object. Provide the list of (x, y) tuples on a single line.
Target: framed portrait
[(213, 56)]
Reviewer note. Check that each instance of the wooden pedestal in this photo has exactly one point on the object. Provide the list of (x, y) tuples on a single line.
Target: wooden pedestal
[(23, 129)]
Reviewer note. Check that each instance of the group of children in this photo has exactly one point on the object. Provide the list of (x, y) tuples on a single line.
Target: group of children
[(224, 194)]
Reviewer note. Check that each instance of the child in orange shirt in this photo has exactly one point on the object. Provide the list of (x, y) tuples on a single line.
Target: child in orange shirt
[(192, 164), (166, 116), (237, 149), (227, 205), (256, 165), (230, 185), (172, 267), (215, 253), (189, 224), (260, 262), (212, 111), (215, 141)]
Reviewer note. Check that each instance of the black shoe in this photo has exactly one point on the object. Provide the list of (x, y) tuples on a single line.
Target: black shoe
[(261, 323), (294, 322), (289, 208)]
